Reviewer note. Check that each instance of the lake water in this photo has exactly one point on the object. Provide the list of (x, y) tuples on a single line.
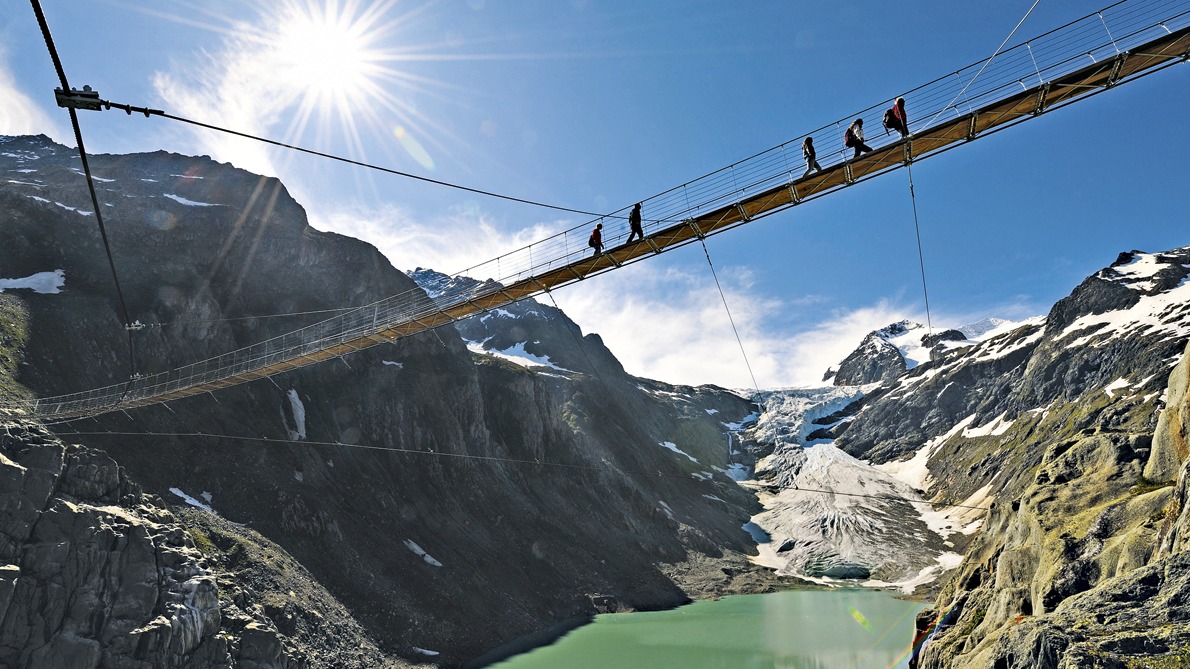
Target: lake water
[(802, 629)]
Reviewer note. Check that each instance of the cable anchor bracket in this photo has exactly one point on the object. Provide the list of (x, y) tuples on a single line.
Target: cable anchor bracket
[(79, 99)]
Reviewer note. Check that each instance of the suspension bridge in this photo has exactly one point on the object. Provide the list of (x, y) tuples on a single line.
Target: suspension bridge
[(1094, 54)]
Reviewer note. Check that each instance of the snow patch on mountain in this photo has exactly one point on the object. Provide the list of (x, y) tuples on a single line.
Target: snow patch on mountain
[(47, 283), (189, 203), (914, 471), (80, 212), (1163, 313), (421, 553), (192, 501), (1140, 273), (515, 354), (297, 414), (674, 447)]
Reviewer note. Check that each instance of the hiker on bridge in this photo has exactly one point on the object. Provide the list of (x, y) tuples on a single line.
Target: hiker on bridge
[(634, 223), (811, 156), (897, 119), (854, 138), (596, 240)]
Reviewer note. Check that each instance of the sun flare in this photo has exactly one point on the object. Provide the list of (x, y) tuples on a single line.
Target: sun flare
[(333, 75), (328, 54), (333, 62)]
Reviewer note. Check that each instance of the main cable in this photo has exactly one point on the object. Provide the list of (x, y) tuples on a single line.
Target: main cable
[(731, 320), (78, 137), (360, 163), (993, 57), (920, 258)]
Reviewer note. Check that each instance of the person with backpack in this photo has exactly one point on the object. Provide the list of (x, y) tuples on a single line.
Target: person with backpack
[(596, 240), (634, 223), (811, 156), (854, 138), (897, 119)]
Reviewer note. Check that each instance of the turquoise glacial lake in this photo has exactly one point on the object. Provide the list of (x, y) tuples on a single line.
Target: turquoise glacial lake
[(798, 629)]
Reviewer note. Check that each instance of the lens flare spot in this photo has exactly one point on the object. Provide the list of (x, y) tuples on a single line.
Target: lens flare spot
[(160, 220), (861, 619), (414, 148)]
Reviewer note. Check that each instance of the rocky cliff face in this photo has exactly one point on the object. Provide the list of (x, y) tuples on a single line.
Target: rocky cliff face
[(1051, 427), (97, 573), (452, 500)]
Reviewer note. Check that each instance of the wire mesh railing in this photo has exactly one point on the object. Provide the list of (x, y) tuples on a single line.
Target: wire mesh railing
[(1102, 35)]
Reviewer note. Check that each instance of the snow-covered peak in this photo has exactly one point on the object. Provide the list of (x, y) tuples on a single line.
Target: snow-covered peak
[(987, 328), (1146, 272), (907, 336), (439, 286)]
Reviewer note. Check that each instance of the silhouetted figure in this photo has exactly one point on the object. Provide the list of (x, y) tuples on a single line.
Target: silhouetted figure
[(897, 119), (596, 240), (634, 223), (811, 156), (854, 138)]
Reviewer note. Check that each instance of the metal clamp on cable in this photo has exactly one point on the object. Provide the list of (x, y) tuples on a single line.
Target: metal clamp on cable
[(128, 109), (76, 99)]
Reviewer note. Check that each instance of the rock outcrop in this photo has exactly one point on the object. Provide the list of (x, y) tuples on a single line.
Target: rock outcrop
[(877, 359), (97, 574), (1080, 560)]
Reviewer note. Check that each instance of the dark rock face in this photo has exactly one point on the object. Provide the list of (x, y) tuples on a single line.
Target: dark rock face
[(875, 361), (97, 574), (932, 340), (452, 501)]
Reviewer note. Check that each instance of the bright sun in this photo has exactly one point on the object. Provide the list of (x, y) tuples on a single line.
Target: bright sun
[(327, 54), (329, 57)]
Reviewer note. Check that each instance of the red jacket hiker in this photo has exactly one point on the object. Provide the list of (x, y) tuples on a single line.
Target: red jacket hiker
[(596, 240)]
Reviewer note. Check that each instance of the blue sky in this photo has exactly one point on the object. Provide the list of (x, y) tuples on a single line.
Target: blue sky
[(596, 104)]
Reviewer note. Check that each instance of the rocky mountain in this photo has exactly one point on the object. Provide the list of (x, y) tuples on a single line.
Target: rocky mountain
[(1054, 438), (451, 501), (436, 499)]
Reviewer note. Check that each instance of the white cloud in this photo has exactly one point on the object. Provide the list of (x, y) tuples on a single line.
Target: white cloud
[(671, 325), (449, 243), (234, 89), (19, 114)]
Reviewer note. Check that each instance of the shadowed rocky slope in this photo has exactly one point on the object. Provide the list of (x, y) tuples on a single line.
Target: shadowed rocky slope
[(452, 501), (97, 573)]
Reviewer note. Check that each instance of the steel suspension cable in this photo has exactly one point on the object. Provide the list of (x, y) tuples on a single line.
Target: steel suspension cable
[(731, 320), (494, 458), (578, 342), (78, 138), (988, 61), (387, 170), (920, 258)]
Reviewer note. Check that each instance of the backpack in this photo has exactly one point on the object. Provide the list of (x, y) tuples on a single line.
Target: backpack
[(890, 121), (849, 138), (591, 240)]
